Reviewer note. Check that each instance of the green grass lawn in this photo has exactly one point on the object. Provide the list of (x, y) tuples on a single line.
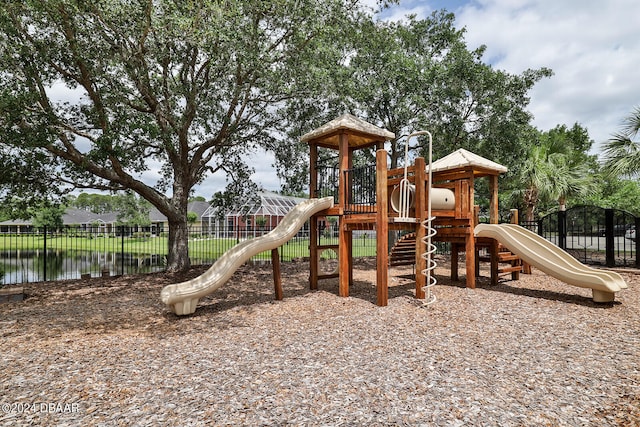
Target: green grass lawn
[(199, 248), (63, 243)]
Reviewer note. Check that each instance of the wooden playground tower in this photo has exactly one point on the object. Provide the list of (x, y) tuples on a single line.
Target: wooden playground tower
[(359, 207)]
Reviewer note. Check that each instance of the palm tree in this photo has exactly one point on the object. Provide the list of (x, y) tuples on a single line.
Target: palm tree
[(571, 178), (556, 169), (621, 153), (535, 179)]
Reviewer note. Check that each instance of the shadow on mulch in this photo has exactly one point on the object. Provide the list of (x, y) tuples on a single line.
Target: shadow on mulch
[(504, 287)]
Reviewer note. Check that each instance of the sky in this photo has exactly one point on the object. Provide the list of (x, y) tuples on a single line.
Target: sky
[(593, 48)]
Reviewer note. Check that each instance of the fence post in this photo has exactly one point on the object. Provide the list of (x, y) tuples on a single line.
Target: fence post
[(44, 263), (562, 229), (636, 241), (540, 231), (609, 240), (122, 250)]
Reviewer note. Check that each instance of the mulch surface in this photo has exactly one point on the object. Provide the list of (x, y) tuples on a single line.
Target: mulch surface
[(521, 353)]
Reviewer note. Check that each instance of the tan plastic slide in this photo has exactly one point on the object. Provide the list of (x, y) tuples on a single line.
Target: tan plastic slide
[(182, 298), (552, 260)]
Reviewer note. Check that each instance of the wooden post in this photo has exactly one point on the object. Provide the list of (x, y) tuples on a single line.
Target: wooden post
[(277, 280), (344, 247), (382, 228), (421, 214), (349, 243), (513, 214), (454, 261), (494, 250), (526, 268), (470, 239), (313, 253), (313, 221), (493, 203), (344, 155), (344, 264), (313, 171), (476, 219)]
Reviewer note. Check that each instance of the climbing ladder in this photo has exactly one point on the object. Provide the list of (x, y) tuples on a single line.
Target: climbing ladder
[(403, 251), (508, 262)]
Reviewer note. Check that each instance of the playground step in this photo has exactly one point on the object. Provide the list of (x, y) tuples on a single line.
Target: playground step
[(509, 269), (502, 257), (403, 251), (507, 256)]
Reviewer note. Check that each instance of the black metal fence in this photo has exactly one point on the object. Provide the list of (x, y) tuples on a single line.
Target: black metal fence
[(42, 255), (593, 235), (327, 184), (361, 189)]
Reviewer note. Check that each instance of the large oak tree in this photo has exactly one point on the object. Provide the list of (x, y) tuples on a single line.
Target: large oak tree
[(152, 95), (420, 74)]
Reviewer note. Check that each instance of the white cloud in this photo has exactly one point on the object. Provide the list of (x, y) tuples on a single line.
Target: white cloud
[(592, 47), (264, 176)]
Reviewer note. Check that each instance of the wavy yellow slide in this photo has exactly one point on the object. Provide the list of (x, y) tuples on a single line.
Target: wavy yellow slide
[(182, 298), (552, 260)]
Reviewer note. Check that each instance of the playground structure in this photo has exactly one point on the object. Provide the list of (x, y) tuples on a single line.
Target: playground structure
[(359, 208), (417, 199)]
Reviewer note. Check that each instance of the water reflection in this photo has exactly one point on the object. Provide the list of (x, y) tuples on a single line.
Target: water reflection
[(34, 266)]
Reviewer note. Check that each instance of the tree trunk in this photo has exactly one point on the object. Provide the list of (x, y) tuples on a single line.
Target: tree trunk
[(530, 201), (178, 256), (529, 213), (562, 201)]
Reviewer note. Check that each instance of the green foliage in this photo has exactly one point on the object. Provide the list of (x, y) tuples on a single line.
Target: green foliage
[(132, 210), (187, 87), (411, 75), (192, 217), (49, 217), (622, 153), (96, 203), (558, 168), (616, 193)]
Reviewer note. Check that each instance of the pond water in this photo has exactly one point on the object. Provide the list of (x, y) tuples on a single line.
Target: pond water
[(34, 266)]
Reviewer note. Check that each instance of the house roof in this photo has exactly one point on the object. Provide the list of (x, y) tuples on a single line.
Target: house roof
[(81, 216), (275, 204), (73, 216), (361, 133), (462, 158), (198, 207)]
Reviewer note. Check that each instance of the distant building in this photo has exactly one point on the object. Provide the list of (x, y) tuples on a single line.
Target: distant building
[(252, 218), (106, 222)]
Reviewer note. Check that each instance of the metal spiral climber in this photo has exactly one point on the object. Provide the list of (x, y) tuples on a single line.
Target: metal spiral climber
[(431, 263), (431, 281)]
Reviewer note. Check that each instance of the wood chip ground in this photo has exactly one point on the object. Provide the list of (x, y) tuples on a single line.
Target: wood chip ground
[(533, 352)]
